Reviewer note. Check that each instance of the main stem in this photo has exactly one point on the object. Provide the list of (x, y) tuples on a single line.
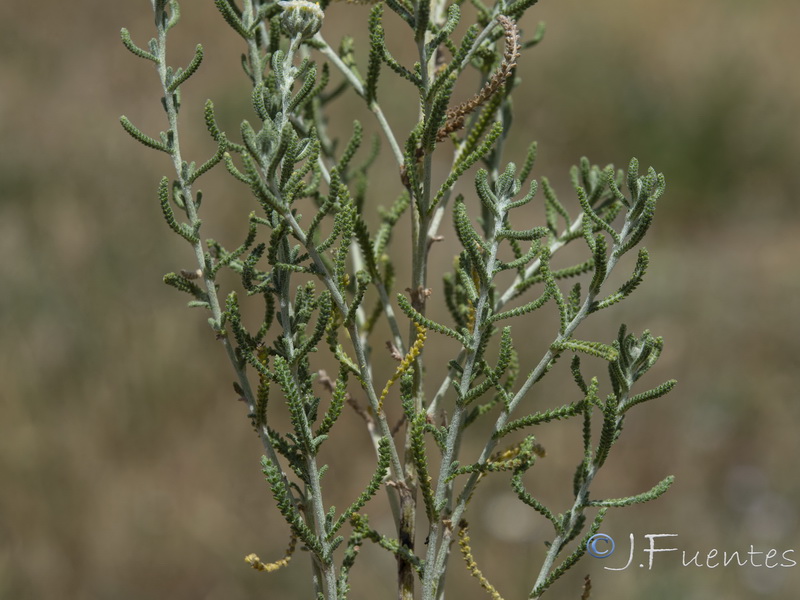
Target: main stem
[(199, 250), (314, 508)]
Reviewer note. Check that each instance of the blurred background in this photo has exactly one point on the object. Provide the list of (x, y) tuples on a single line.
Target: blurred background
[(128, 468)]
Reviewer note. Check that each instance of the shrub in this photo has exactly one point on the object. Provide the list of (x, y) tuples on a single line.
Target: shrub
[(326, 281)]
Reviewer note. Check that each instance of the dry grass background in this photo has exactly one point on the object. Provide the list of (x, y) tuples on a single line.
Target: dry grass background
[(129, 471)]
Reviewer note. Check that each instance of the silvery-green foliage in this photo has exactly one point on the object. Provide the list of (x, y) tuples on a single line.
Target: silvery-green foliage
[(326, 280)]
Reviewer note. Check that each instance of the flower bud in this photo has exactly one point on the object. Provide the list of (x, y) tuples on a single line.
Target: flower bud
[(301, 17)]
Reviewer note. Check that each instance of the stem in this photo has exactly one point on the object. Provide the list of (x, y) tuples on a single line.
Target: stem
[(437, 552), (331, 55), (199, 249), (506, 297), (361, 357), (358, 259), (323, 568), (359, 340), (505, 415), (439, 210), (574, 514)]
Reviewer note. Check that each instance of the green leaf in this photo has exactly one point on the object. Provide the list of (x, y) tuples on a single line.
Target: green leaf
[(553, 207), (597, 349), (404, 9), (466, 162), (377, 44), (287, 508), (627, 288), (518, 263), (594, 217), (411, 313), (421, 20), (418, 455), (516, 9), (458, 58), (470, 240), (183, 74), (233, 19), (363, 281), (656, 392), (373, 486), (395, 66), (609, 431), (522, 310), (567, 272), (139, 136), (128, 43), (210, 163), (182, 229), (337, 403), (325, 308), (600, 261), (435, 117), (538, 36), (657, 490), (305, 90), (555, 414), (351, 148), (453, 16), (184, 285), (553, 290), (522, 494)]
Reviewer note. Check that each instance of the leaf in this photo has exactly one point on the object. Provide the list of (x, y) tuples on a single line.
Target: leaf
[(377, 44), (128, 43), (372, 487), (141, 137), (662, 390), (657, 490), (555, 414), (232, 19), (597, 349), (184, 285), (627, 288), (419, 319), (182, 229), (184, 74), (466, 162)]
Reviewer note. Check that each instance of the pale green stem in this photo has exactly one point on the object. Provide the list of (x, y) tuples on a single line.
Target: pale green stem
[(331, 55), (441, 207), (501, 302), (363, 365), (505, 415), (199, 249), (325, 572), (357, 338), (437, 552), (574, 514), (358, 264)]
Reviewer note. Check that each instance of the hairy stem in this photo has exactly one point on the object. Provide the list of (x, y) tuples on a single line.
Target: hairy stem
[(331, 55), (198, 247), (505, 415)]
